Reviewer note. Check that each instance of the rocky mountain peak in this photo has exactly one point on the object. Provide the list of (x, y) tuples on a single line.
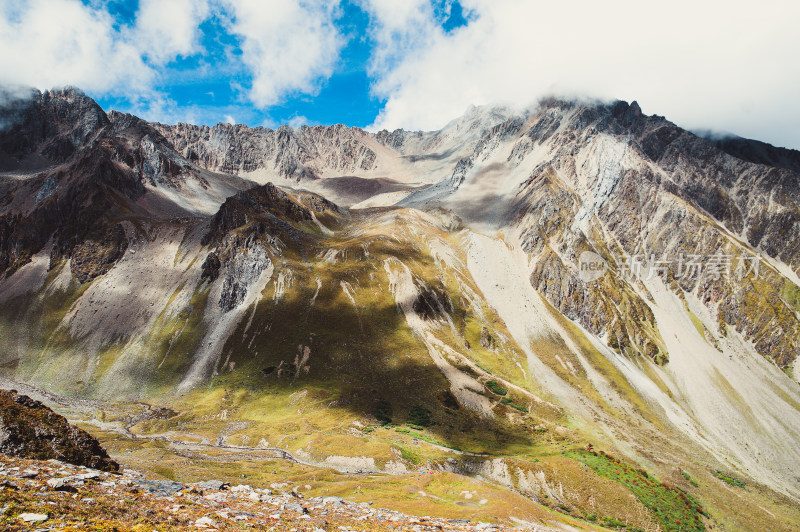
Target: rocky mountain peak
[(46, 128)]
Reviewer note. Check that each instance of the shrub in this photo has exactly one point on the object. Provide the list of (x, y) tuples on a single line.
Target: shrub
[(419, 417), (688, 478), (507, 401), (409, 455), (484, 369), (383, 412), (674, 509), (496, 388), (614, 523), (729, 479)]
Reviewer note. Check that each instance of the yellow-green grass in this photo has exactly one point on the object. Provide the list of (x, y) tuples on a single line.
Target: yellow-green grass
[(424, 493), (673, 508)]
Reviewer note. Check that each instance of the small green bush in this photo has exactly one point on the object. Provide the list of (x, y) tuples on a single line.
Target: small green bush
[(419, 417), (688, 478), (507, 401), (383, 412), (496, 388), (729, 479), (613, 523), (409, 455)]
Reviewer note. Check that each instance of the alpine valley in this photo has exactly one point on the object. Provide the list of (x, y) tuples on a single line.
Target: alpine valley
[(402, 318)]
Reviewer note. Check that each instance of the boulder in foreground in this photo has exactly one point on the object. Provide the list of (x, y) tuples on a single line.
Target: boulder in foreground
[(29, 429)]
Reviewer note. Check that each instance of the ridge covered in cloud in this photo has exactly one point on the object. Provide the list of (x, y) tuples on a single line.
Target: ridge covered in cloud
[(701, 64), (712, 65)]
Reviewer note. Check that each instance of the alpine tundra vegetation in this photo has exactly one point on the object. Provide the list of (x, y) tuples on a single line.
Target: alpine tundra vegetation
[(399, 317)]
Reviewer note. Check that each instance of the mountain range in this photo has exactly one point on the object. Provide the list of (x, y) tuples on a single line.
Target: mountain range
[(503, 298)]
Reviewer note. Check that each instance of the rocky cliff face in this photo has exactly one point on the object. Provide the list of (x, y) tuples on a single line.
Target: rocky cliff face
[(73, 210), (293, 154), (307, 154), (583, 177), (39, 128), (613, 181), (667, 194), (251, 223), (73, 177)]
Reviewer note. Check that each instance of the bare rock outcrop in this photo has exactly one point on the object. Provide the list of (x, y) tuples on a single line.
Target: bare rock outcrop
[(29, 429)]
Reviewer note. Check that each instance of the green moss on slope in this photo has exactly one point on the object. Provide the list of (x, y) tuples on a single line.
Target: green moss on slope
[(673, 508)]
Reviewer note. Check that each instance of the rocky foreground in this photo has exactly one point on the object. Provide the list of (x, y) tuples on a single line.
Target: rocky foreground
[(92, 493), (53, 495), (29, 429)]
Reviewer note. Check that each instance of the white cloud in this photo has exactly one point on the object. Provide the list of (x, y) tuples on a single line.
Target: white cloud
[(230, 120), (47, 43), (166, 29), (702, 64), (397, 29), (710, 65), (288, 46), (297, 121)]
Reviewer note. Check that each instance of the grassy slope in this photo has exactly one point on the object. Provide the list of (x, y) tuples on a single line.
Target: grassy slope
[(362, 355)]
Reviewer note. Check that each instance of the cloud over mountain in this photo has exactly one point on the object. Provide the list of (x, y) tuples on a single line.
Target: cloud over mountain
[(708, 65)]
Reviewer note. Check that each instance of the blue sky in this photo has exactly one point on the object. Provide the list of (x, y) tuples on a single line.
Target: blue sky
[(415, 64), (211, 88), (344, 97)]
